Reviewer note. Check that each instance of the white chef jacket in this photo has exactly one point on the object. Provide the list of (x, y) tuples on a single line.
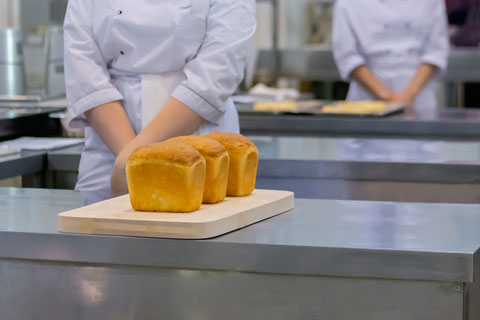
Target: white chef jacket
[(392, 38), (111, 45)]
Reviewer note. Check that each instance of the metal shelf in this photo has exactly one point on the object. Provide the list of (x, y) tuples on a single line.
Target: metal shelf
[(313, 63)]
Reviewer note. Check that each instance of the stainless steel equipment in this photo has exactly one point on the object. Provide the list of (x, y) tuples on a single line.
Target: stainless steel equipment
[(12, 72), (324, 260), (443, 123), (54, 70), (345, 168)]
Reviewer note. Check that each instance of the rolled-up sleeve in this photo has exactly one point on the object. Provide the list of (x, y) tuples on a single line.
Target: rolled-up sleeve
[(214, 74), (345, 43), (437, 45), (87, 80)]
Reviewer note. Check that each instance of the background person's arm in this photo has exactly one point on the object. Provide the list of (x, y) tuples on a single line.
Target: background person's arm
[(434, 56), (368, 81), (422, 77), (348, 53)]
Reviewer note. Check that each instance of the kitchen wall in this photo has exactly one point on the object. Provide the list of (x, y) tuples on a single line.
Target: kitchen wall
[(9, 14), (34, 13), (292, 26)]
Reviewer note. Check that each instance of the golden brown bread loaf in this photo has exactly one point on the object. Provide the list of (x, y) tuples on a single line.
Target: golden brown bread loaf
[(217, 160), (243, 162), (167, 177)]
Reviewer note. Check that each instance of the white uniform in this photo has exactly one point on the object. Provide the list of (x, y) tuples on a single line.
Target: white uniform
[(392, 38), (141, 53)]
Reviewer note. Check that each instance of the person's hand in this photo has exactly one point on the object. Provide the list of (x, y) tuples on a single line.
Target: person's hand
[(118, 181), (403, 98)]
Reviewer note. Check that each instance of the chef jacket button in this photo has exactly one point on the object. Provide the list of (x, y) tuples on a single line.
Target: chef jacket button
[(407, 25), (122, 53), (119, 12), (386, 26)]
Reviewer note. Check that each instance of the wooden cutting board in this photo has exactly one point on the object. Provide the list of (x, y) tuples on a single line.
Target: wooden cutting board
[(116, 217)]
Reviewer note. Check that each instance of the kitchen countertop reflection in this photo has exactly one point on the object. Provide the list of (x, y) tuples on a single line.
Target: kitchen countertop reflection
[(318, 237), (444, 123), (358, 149)]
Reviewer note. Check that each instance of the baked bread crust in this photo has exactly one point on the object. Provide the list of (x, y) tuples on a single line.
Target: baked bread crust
[(217, 161), (243, 162), (178, 153), (206, 146), (166, 177)]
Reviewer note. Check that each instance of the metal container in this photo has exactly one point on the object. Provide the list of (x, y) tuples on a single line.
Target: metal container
[(12, 72), (54, 72)]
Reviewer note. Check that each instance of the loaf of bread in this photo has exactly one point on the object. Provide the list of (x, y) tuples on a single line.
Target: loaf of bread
[(243, 162), (217, 160), (166, 177)]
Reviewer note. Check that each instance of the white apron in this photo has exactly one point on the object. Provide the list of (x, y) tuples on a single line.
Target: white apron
[(397, 76), (143, 99)]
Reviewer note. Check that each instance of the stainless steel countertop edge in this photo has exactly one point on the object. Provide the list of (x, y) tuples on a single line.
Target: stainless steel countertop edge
[(328, 169), (361, 170), (239, 257), (25, 163), (390, 126)]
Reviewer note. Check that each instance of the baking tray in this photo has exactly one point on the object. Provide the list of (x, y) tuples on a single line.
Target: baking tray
[(317, 111), (314, 108)]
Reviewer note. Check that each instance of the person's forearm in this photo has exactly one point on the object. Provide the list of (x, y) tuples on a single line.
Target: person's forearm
[(174, 119), (363, 76), (424, 74), (111, 123)]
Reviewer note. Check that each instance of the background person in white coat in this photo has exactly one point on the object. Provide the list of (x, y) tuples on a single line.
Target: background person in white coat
[(391, 49), (144, 71)]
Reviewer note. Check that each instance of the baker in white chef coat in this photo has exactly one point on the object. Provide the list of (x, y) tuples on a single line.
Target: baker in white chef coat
[(391, 50), (144, 71)]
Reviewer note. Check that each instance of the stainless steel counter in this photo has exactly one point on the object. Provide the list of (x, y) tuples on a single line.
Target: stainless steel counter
[(372, 169), (443, 161), (369, 159), (349, 168), (24, 163), (459, 124), (325, 168), (17, 120), (374, 259)]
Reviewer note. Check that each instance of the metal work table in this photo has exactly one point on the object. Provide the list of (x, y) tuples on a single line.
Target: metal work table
[(326, 168), (66, 159), (23, 163), (27, 121), (348, 168), (460, 124), (325, 258), (371, 169)]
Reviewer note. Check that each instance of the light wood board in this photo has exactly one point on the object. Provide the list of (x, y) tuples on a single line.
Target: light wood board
[(116, 217)]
